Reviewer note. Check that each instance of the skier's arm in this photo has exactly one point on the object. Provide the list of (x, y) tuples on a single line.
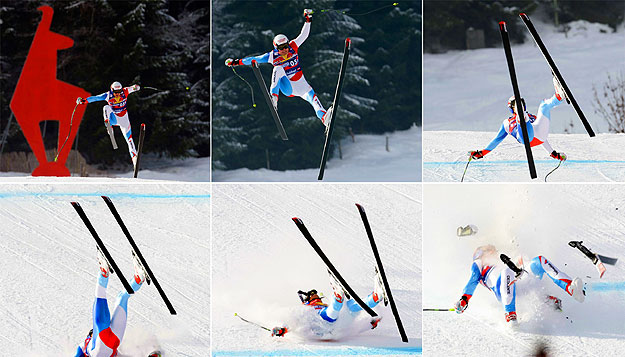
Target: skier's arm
[(469, 289), (133, 88), (500, 136), (96, 98), (302, 35), (260, 59), (79, 352)]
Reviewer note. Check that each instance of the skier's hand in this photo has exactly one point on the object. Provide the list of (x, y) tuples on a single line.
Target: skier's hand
[(558, 155), (233, 62), (80, 100), (136, 87), (278, 331), (308, 15), (462, 304), (478, 154)]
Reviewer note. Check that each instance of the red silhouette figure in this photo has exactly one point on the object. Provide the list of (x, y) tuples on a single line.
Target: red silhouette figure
[(40, 96)]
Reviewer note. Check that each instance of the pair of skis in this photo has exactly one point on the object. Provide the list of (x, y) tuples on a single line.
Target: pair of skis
[(515, 87), (109, 130), (134, 246), (335, 105), (300, 224)]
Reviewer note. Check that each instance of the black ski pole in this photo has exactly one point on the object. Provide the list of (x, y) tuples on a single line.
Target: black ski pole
[(252, 323), (466, 167)]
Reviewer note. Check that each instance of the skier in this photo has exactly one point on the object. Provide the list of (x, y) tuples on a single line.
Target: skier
[(115, 112), (538, 131), (108, 331), (330, 313), (490, 271), (287, 76)]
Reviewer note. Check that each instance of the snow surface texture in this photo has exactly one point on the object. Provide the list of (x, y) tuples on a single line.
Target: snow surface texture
[(468, 91), (364, 160), (527, 221), (261, 260), (49, 266), (445, 156)]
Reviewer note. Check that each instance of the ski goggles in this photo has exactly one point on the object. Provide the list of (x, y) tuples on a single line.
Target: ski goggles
[(118, 91), (283, 46)]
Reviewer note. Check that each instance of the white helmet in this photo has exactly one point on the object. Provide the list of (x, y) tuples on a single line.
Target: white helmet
[(511, 104), (280, 40), (116, 87)]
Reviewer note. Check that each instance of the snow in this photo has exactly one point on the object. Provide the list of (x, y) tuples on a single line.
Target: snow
[(261, 260), (364, 160), (527, 221), (468, 91), (445, 157), (49, 266)]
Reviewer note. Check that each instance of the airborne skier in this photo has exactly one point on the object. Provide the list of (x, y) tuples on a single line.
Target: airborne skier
[(287, 76), (488, 270), (108, 331), (330, 313), (115, 113), (538, 131)]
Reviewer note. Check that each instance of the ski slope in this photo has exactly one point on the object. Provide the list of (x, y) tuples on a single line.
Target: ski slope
[(597, 159), (49, 266), (261, 260), (527, 221), (365, 160)]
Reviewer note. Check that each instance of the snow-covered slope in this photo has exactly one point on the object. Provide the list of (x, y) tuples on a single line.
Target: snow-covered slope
[(261, 260), (445, 155), (48, 266), (364, 160), (468, 90), (524, 220)]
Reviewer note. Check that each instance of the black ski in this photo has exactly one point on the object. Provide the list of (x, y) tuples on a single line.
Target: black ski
[(335, 108), (382, 275), (263, 89), (141, 137), (118, 218), (102, 248), (596, 259), (109, 130), (331, 267), (556, 72), (517, 95)]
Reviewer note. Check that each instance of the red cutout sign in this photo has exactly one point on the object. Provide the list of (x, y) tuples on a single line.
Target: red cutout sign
[(40, 96)]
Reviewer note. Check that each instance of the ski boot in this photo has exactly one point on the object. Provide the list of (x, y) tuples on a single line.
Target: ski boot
[(378, 291), (327, 118), (339, 292), (511, 318), (274, 101), (559, 91), (555, 302), (375, 321), (141, 274), (577, 289), (134, 161), (105, 268)]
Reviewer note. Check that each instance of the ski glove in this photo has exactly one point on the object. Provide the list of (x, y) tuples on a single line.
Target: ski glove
[(80, 100), (278, 331), (308, 15), (558, 155), (462, 304), (233, 62), (478, 154)]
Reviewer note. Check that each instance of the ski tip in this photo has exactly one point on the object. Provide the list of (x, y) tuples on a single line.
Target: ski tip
[(142, 126), (523, 14), (75, 203), (296, 220), (348, 40), (502, 23)]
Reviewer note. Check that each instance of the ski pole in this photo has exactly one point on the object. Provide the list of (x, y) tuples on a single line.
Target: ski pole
[(553, 170), (251, 322), (350, 14), (466, 167), (152, 88), (452, 309), (248, 84), (71, 120)]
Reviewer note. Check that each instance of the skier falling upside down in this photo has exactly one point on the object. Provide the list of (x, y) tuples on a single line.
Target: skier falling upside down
[(287, 76), (488, 270), (115, 112), (108, 331), (330, 313), (537, 131)]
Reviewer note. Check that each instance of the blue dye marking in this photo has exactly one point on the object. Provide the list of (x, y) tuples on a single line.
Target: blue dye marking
[(440, 163), (326, 352), (608, 286), (97, 194)]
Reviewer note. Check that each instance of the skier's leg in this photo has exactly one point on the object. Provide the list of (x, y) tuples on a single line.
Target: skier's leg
[(543, 117), (541, 265), (109, 115), (120, 312), (124, 124), (101, 314), (279, 83), (518, 133), (302, 89), (372, 301), (331, 312)]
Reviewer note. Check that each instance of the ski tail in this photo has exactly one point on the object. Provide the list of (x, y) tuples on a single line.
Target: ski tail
[(102, 247), (300, 224), (335, 107), (517, 94), (135, 248), (141, 138), (378, 261), (263, 89)]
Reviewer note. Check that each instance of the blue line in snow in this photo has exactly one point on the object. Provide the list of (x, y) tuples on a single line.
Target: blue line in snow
[(97, 194), (438, 163), (608, 286), (360, 351)]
